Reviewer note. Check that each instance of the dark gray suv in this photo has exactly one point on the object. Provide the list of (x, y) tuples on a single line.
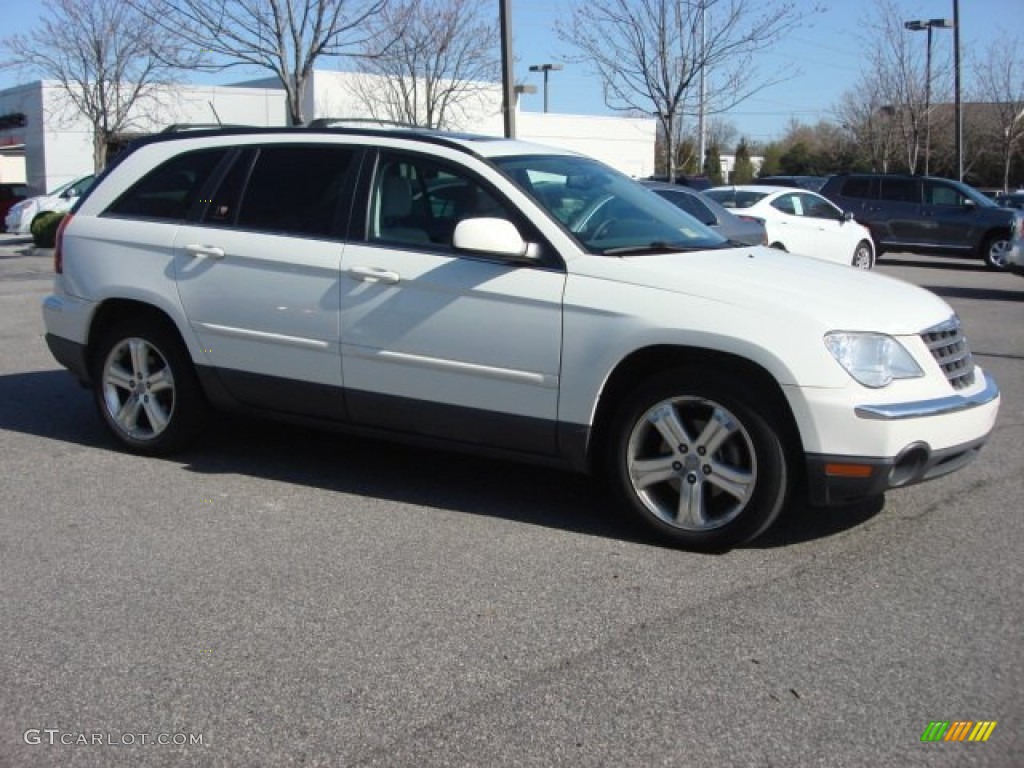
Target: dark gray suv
[(923, 214)]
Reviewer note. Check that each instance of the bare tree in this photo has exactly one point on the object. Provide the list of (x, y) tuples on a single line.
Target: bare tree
[(283, 36), (651, 54), (1000, 86), (108, 61), (444, 57), (866, 114)]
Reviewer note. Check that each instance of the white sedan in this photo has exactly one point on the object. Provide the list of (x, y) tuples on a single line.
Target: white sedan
[(802, 222), (19, 219)]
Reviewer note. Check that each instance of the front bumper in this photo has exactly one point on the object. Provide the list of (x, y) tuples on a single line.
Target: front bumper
[(920, 430)]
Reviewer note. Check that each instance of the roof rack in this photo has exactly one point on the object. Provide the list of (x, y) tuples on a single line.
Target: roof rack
[(330, 122), (179, 127)]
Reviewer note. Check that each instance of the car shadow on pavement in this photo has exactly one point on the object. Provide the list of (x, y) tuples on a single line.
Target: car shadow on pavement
[(50, 404), (985, 294), (936, 262)]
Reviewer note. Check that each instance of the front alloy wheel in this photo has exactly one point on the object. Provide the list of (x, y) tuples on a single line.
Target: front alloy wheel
[(697, 463), (862, 256)]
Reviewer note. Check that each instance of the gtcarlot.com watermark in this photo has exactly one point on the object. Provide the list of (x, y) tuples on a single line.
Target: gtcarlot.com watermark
[(55, 736)]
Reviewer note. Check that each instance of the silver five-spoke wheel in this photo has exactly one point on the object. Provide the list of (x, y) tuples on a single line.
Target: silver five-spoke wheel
[(692, 455), (138, 389), (692, 463), (146, 387)]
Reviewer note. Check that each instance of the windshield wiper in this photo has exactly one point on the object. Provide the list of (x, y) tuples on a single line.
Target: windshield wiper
[(658, 246)]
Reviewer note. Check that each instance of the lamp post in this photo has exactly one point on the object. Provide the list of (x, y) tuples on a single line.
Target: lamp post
[(928, 25), (545, 68)]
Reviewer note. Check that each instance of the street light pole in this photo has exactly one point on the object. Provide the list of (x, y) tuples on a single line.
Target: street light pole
[(917, 26), (958, 127), (545, 68)]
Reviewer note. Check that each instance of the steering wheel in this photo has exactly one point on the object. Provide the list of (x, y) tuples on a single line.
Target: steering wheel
[(604, 228)]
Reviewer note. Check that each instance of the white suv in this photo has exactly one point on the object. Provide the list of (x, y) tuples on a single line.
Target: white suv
[(506, 298)]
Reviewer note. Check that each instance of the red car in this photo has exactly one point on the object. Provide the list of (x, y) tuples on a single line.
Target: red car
[(9, 195)]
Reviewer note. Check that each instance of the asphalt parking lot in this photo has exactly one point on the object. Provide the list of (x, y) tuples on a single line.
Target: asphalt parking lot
[(285, 597)]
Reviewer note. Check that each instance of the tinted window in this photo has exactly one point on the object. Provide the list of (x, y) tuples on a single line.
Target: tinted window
[(857, 187), (691, 204), (937, 193), (294, 190), (169, 190), (222, 208), (818, 208), (899, 190)]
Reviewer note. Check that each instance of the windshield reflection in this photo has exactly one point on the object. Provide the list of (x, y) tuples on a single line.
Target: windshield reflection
[(604, 210)]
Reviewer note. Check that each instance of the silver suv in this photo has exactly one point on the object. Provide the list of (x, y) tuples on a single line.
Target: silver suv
[(506, 298)]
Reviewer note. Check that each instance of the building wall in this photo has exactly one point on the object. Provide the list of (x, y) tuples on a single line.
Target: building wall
[(58, 141)]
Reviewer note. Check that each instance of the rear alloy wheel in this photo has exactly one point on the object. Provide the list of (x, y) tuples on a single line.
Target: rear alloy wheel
[(863, 256), (996, 251), (697, 462), (145, 387)]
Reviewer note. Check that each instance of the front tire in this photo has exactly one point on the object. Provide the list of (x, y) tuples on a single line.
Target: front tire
[(145, 387), (693, 458), (863, 256)]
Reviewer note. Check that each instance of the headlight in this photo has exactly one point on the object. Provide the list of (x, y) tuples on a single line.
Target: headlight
[(873, 359)]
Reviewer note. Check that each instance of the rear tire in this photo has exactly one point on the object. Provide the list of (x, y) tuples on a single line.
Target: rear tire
[(145, 387), (995, 250), (697, 461)]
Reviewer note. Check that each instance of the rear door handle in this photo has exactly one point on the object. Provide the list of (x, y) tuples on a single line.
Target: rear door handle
[(374, 275), (205, 251)]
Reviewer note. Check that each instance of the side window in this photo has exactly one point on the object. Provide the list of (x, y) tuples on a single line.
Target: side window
[(788, 204), (222, 207), (859, 187), (294, 190), (936, 193), (693, 206), (418, 201), (817, 208), (899, 190), (168, 191)]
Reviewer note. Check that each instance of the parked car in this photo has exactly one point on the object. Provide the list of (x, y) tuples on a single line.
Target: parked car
[(924, 214), (739, 229), (20, 217), (553, 311), (813, 183), (803, 222), (684, 180), (1015, 256), (1009, 199), (10, 194)]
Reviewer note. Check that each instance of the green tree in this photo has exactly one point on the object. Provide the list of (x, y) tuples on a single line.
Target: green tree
[(772, 164), (743, 170), (713, 165)]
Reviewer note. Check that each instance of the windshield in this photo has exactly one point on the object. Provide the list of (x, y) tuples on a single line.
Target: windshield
[(605, 211)]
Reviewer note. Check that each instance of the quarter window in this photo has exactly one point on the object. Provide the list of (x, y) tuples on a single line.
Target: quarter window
[(168, 192)]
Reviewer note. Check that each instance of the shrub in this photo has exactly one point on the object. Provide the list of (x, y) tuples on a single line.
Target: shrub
[(44, 229)]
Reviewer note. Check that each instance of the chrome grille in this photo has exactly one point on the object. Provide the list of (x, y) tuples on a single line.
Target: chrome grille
[(949, 348)]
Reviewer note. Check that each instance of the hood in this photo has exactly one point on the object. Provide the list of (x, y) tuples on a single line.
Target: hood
[(778, 284)]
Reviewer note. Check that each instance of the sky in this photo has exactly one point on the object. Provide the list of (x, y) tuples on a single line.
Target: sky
[(821, 60)]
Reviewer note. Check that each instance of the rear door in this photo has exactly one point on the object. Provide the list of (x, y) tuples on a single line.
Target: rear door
[(258, 275)]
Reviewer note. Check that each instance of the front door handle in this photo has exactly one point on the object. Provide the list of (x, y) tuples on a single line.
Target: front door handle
[(205, 251), (374, 275)]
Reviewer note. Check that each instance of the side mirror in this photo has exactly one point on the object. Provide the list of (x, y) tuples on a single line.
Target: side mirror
[(498, 237)]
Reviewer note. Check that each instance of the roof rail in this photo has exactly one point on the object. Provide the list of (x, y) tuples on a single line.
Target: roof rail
[(179, 127), (329, 122)]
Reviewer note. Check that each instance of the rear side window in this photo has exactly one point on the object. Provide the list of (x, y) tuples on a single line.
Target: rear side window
[(168, 191), (291, 190), (899, 190), (859, 187)]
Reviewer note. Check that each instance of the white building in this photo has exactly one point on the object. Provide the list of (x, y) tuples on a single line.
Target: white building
[(55, 142)]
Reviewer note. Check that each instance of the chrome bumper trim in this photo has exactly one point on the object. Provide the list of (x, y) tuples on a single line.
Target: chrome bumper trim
[(925, 408)]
